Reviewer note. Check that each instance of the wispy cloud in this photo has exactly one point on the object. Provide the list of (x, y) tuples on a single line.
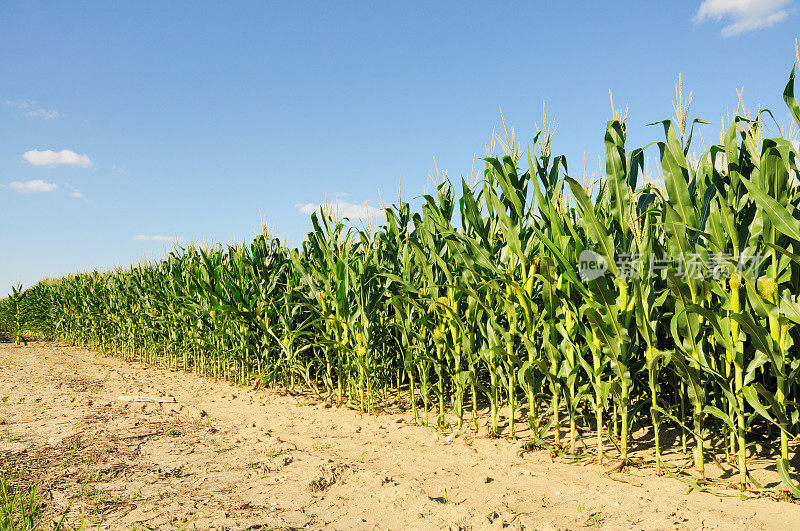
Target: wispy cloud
[(19, 104), (74, 192), (156, 238), (46, 114), (53, 158), (342, 209), (743, 16), (119, 169), (32, 187), (31, 109)]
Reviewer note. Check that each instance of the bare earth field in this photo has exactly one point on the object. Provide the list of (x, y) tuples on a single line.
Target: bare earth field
[(227, 457)]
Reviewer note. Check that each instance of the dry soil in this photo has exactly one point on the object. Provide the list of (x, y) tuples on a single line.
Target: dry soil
[(227, 457)]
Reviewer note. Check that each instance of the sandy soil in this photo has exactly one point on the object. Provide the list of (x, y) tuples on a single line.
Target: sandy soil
[(226, 457)]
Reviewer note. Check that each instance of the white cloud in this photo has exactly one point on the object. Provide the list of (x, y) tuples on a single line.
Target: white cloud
[(73, 192), (44, 113), (28, 107), (20, 104), (33, 187), (342, 209), (52, 158), (156, 238), (743, 15), (119, 169)]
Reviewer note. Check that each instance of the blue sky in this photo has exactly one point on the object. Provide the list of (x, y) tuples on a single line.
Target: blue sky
[(122, 126)]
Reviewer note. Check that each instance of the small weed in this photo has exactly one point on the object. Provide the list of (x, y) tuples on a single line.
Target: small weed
[(20, 508), (594, 520)]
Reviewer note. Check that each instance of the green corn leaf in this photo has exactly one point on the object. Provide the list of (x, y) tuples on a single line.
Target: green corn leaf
[(791, 101), (783, 466), (777, 214), (724, 417), (599, 233)]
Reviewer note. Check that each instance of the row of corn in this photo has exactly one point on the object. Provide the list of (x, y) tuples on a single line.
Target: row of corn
[(522, 299)]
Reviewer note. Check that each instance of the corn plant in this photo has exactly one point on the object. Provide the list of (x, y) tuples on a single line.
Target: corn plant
[(475, 304)]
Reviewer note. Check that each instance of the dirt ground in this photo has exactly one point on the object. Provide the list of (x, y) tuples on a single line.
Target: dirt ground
[(227, 457)]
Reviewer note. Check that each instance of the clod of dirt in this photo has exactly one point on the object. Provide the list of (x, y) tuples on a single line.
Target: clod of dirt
[(330, 476)]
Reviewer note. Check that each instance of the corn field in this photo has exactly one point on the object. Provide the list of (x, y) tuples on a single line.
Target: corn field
[(569, 308)]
